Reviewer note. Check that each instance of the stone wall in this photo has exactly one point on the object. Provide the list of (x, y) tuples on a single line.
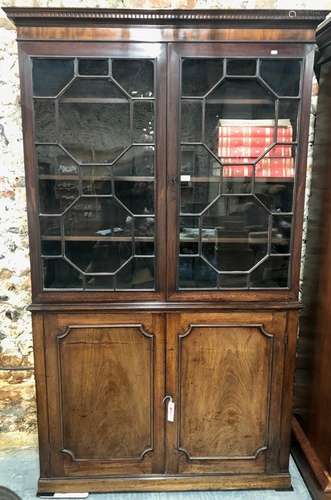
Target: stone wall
[(17, 399)]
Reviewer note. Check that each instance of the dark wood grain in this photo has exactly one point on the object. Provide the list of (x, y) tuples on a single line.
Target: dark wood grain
[(312, 428), (105, 377)]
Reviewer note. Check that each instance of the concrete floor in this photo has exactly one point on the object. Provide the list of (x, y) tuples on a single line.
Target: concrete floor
[(19, 472)]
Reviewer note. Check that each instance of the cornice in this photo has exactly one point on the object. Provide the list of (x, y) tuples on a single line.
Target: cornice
[(323, 32), (31, 16)]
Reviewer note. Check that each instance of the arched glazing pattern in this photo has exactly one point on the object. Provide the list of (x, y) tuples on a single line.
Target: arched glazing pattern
[(95, 154), (239, 131)]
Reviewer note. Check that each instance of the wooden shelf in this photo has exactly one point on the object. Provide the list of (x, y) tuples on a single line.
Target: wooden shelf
[(98, 238), (240, 102), (230, 240), (90, 178), (237, 179)]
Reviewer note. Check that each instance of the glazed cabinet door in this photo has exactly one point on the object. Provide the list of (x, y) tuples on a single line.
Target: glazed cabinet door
[(105, 383), (225, 375), (95, 169), (236, 161)]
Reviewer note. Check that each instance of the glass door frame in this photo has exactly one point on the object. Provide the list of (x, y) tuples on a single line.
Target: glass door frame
[(178, 51), (130, 50)]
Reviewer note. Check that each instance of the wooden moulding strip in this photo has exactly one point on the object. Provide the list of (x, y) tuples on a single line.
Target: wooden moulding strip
[(317, 467), (165, 483)]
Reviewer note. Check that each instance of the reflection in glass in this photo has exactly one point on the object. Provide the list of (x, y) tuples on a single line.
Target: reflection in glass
[(283, 75), (272, 273), (100, 282), (195, 196), (99, 217), (59, 274), (143, 121), (136, 76), (245, 67), (193, 273), (56, 195), (51, 248), (137, 161), (101, 88), (138, 197), (93, 67), (234, 233), (98, 256), (94, 132), (44, 120), (51, 75), (53, 161), (191, 116), (196, 161), (50, 226), (199, 75), (137, 274), (233, 280), (281, 233)]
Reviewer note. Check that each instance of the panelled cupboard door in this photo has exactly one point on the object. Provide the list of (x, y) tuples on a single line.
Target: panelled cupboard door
[(225, 375), (105, 394)]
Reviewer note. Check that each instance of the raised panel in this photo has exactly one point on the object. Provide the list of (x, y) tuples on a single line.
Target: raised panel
[(106, 392), (106, 376), (230, 421), (226, 381)]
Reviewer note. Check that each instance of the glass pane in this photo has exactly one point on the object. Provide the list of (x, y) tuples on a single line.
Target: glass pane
[(196, 161), (191, 120), (136, 76), (59, 274), (44, 120), (272, 273), (281, 233), (237, 113), (144, 248), (138, 161), (143, 227), (56, 195), (138, 197), (97, 187), (245, 67), (234, 233), (51, 247), (189, 228), (100, 282), (283, 75), (98, 256), (93, 67), (50, 226), (193, 273), (195, 196), (83, 88), (199, 75), (137, 274), (143, 121), (54, 162), (51, 75), (237, 179), (94, 132), (288, 111), (99, 217), (233, 280)]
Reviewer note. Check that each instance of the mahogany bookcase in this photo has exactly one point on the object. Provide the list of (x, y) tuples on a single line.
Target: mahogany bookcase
[(165, 253)]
